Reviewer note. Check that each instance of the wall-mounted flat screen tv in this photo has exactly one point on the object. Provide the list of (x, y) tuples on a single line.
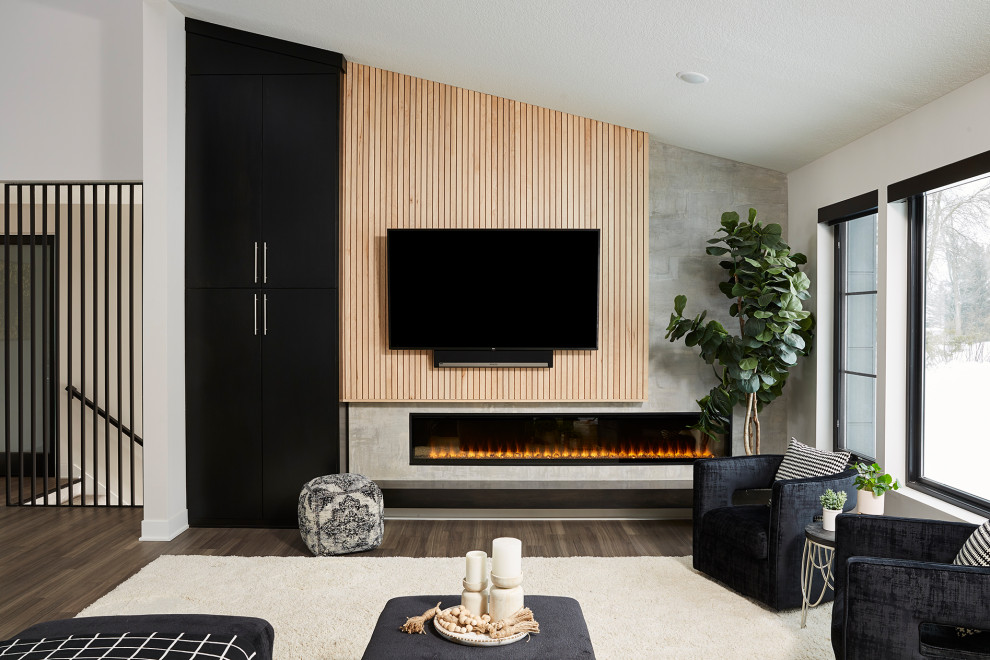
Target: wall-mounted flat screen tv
[(501, 289)]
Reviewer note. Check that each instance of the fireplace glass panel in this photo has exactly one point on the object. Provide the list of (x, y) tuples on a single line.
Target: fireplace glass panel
[(455, 439)]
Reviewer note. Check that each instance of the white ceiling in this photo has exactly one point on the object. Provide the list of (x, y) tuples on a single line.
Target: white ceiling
[(791, 80)]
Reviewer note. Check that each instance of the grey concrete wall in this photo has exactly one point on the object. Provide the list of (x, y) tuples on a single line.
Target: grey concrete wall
[(689, 191)]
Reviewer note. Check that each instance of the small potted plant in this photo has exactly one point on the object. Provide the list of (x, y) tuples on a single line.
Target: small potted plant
[(874, 482), (832, 503)]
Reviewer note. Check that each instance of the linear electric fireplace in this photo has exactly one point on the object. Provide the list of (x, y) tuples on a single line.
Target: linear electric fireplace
[(561, 439)]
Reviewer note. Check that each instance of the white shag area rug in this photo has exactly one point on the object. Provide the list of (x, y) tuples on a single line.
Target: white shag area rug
[(327, 607)]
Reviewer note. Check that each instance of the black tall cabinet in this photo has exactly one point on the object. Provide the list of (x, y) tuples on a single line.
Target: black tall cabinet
[(262, 159)]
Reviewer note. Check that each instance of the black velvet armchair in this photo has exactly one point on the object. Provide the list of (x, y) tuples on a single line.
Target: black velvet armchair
[(898, 595), (756, 549)]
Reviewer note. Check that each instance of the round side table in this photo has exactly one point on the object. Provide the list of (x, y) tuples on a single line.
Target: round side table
[(819, 548)]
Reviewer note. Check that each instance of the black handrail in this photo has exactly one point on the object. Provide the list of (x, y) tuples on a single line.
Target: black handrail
[(76, 394)]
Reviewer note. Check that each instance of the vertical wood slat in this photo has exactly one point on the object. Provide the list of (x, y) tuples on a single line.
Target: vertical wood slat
[(422, 154)]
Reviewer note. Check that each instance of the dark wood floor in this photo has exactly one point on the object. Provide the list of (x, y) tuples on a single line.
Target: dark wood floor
[(56, 561)]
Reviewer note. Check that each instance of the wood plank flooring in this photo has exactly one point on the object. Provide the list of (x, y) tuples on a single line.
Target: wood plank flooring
[(56, 561)]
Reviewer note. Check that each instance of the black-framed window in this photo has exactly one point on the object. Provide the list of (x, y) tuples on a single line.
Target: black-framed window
[(854, 336), (949, 330)]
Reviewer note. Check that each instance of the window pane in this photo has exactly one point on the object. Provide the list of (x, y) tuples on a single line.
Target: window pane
[(860, 417), (861, 254), (957, 335), (861, 333)]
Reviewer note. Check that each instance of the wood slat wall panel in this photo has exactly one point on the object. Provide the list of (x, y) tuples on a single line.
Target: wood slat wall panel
[(417, 153)]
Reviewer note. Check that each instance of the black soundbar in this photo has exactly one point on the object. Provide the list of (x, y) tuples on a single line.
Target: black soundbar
[(528, 359)]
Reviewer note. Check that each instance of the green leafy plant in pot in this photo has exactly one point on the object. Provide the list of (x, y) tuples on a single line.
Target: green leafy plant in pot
[(832, 503), (767, 290), (873, 483)]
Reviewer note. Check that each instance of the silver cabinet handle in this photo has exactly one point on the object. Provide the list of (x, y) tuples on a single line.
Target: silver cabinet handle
[(256, 315), (256, 262), (265, 316), (265, 262)]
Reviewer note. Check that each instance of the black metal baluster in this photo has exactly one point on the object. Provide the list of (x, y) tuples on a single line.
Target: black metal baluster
[(6, 340), (82, 342), (20, 344), (96, 347), (45, 427), (33, 373), (68, 344), (106, 339), (120, 398), (130, 342), (56, 364)]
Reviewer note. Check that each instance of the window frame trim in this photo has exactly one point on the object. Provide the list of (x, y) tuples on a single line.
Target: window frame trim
[(915, 366), (837, 215)]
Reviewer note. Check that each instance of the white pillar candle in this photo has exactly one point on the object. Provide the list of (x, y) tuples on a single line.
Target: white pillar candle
[(507, 557), (474, 571)]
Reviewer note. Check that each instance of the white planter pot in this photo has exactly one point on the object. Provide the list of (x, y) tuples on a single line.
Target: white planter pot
[(869, 504), (828, 519)]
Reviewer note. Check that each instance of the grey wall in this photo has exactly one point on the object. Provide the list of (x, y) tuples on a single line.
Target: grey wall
[(688, 193)]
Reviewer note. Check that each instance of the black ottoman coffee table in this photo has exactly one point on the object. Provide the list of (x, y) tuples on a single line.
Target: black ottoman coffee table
[(563, 633)]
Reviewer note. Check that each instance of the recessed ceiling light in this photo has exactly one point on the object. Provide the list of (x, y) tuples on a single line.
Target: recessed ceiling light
[(692, 77)]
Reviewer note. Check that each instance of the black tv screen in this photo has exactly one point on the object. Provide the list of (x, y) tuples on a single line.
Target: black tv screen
[(481, 289)]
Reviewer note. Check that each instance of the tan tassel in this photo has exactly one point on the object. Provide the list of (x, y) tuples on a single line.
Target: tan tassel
[(414, 624), (513, 628)]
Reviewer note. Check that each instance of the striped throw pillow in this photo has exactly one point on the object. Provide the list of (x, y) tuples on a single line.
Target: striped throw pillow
[(975, 552), (802, 461), (976, 549)]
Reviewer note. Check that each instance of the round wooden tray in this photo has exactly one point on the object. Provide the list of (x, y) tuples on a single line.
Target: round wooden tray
[(472, 638)]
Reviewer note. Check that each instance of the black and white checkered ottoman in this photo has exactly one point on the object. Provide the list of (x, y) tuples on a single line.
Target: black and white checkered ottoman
[(341, 513)]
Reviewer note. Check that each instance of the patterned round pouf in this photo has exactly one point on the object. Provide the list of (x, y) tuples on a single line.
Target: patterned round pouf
[(341, 513)]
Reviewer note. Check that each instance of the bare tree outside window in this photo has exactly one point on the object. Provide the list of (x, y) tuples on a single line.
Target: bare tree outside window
[(957, 334)]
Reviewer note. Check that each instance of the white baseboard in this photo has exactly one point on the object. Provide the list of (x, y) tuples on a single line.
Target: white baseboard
[(164, 530)]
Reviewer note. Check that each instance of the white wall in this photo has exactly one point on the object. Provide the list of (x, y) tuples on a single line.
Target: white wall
[(70, 72), (949, 129), (165, 514)]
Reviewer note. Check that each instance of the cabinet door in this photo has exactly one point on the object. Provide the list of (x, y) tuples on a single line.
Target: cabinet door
[(223, 407), (300, 396), (300, 172), (223, 180)]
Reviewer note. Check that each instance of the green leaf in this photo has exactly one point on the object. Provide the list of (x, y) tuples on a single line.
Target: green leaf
[(787, 357), (692, 338), (799, 259), (749, 363), (730, 219), (726, 288), (751, 385), (773, 229), (716, 251), (766, 299), (765, 336), (801, 281), (721, 401), (679, 303), (754, 327), (794, 340), (734, 309), (752, 215), (762, 315)]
